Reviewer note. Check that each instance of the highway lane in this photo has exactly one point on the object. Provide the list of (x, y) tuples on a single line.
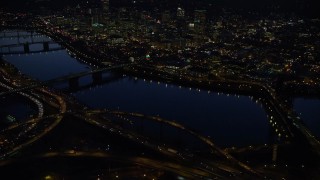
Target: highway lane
[(234, 166), (163, 149), (32, 123), (200, 137), (174, 167)]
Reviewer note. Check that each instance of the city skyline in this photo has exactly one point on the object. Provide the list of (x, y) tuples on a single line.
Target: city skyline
[(159, 90)]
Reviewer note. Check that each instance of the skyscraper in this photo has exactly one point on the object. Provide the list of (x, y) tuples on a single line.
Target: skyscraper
[(105, 6), (166, 16), (200, 20), (180, 12), (200, 16)]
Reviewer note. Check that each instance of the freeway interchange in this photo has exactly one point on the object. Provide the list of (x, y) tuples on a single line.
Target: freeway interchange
[(18, 136), (53, 106)]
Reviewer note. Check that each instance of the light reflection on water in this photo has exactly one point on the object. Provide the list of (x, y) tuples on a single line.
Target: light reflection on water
[(229, 120)]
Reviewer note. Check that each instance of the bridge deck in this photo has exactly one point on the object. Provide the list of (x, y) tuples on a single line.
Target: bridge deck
[(29, 43), (31, 52), (61, 79)]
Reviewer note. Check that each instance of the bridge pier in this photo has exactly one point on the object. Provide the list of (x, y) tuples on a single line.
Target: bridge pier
[(26, 48), (45, 46), (74, 83), (97, 77), (31, 37), (275, 153), (18, 37)]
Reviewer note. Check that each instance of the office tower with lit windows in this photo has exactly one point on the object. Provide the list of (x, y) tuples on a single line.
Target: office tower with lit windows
[(180, 12), (200, 20), (105, 6)]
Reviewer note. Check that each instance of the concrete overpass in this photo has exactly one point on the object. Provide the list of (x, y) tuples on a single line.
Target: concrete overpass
[(219, 152)]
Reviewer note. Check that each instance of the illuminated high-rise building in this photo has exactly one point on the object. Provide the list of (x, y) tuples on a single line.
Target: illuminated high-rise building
[(180, 12), (200, 16), (105, 6), (200, 20), (166, 17)]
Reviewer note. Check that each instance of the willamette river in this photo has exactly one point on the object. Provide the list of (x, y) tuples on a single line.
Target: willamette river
[(229, 120)]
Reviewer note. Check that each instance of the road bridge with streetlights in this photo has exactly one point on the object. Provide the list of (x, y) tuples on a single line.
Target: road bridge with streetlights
[(7, 49), (72, 78)]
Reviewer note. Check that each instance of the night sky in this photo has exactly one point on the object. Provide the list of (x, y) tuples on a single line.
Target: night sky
[(302, 7)]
